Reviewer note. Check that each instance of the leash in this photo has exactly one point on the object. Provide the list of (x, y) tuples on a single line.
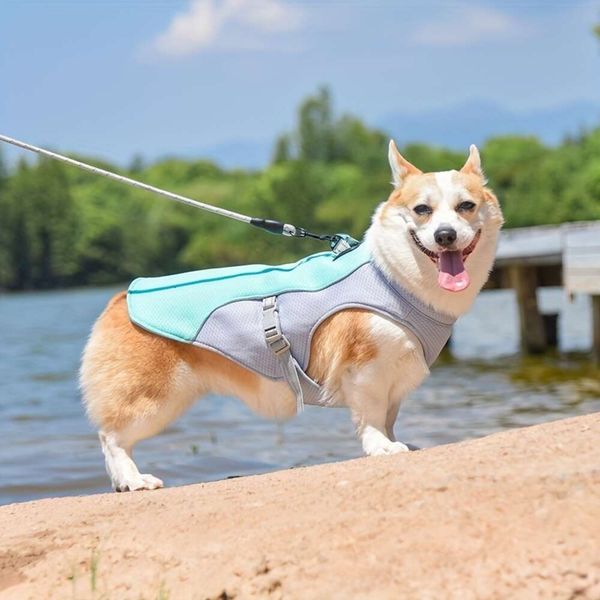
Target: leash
[(338, 242)]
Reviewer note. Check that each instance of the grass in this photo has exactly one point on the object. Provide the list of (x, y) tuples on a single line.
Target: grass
[(94, 562), (163, 593), (94, 581)]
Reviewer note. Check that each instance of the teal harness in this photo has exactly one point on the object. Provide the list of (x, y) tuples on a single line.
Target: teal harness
[(263, 317), (177, 306)]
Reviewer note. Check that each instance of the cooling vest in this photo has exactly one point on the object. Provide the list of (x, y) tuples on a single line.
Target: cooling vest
[(229, 310)]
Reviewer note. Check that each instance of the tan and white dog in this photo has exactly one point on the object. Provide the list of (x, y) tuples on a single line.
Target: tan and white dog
[(135, 383)]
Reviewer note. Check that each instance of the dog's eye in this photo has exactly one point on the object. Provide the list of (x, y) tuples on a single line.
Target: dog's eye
[(423, 209), (465, 206)]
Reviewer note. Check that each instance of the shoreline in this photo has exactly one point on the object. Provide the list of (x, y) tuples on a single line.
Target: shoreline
[(514, 514)]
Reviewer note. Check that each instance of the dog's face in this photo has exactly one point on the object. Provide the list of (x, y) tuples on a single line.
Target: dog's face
[(446, 223)]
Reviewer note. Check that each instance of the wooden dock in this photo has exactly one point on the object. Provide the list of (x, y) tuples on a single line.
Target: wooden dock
[(566, 255)]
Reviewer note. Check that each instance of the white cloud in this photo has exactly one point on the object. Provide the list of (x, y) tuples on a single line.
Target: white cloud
[(470, 25), (202, 24)]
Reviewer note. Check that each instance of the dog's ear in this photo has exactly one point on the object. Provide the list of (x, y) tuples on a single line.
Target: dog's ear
[(473, 164), (400, 166)]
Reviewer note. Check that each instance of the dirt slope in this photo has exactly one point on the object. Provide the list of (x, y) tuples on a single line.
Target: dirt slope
[(513, 515)]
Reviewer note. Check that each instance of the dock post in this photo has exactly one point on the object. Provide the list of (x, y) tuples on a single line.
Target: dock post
[(533, 332), (551, 327), (596, 329)]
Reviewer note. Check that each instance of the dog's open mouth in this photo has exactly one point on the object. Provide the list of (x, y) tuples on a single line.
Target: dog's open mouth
[(452, 275)]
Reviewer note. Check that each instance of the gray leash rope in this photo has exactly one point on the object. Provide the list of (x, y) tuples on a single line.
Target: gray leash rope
[(338, 242)]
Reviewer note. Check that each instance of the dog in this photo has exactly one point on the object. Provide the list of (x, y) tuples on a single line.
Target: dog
[(434, 238)]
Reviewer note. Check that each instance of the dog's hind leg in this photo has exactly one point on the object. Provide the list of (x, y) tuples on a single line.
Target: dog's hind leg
[(140, 417), (125, 419), (134, 384), (147, 416), (119, 437)]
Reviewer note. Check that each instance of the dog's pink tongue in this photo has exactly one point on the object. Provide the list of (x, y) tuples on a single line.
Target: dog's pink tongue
[(452, 275)]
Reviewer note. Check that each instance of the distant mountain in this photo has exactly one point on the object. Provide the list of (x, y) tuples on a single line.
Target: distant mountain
[(455, 127), (473, 122)]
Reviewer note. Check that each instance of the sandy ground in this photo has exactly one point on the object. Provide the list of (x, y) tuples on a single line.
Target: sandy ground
[(513, 515)]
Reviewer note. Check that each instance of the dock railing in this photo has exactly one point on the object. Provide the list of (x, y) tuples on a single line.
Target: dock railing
[(566, 255)]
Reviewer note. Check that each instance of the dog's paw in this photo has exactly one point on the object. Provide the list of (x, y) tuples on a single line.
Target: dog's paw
[(391, 448), (142, 482), (374, 443), (151, 482), (383, 449)]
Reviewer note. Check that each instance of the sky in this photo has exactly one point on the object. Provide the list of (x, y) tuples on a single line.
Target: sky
[(112, 78)]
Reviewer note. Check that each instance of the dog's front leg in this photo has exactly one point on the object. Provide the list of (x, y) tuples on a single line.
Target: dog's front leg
[(374, 392), (373, 414), (390, 419)]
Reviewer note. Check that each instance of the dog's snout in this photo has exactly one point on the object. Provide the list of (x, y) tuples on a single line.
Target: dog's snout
[(445, 235)]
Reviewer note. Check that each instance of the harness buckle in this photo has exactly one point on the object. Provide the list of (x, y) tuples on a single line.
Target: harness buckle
[(276, 340), (274, 337)]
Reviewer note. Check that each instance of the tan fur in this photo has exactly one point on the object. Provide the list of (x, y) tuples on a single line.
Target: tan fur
[(475, 185), (342, 340), (493, 203), (472, 182), (412, 186), (129, 371), (473, 164), (405, 165)]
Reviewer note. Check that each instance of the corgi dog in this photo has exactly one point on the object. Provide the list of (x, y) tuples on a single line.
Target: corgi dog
[(434, 237)]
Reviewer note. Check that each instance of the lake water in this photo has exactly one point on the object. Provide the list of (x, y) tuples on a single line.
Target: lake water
[(47, 447)]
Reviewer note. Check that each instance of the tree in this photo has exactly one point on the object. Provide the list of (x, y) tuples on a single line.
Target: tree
[(283, 149), (505, 157), (358, 144), (40, 224), (315, 127), (137, 164), (17, 233), (320, 137), (55, 226)]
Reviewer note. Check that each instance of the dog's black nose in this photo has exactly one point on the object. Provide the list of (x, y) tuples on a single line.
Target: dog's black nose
[(445, 236)]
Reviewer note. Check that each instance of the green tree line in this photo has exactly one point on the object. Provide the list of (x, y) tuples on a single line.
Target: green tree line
[(61, 227)]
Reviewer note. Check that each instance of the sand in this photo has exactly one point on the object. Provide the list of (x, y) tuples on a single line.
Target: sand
[(512, 515)]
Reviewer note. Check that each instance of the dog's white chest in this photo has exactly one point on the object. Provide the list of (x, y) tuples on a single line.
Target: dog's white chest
[(400, 365)]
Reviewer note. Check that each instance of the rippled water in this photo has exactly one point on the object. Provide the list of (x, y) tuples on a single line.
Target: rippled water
[(48, 448)]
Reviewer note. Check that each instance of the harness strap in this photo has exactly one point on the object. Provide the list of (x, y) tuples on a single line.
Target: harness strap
[(280, 346)]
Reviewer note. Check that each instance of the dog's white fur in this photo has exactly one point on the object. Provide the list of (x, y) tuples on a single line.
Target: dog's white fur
[(372, 389)]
